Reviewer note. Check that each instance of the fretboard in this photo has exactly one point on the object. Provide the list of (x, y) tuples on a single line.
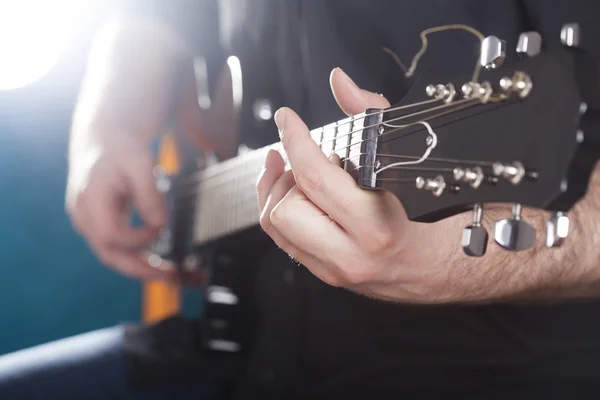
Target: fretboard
[(226, 201)]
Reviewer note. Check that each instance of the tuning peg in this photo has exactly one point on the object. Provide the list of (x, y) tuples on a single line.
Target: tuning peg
[(475, 237), (514, 234), (493, 52), (557, 229), (473, 176), (570, 35), (513, 172), (529, 44), (436, 186)]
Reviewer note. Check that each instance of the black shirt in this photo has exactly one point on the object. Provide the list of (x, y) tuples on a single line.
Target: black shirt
[(322, 342)]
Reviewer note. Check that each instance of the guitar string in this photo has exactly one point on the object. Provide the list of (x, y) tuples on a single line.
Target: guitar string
[(417, 57), (194, 179), (415, 61), (410, 72), (221, 173), (462, 105), (458, 102)]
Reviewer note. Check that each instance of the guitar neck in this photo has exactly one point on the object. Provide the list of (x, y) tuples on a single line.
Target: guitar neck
[(226, 192)]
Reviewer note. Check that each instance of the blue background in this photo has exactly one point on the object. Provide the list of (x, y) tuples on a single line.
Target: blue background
[(51, 286)]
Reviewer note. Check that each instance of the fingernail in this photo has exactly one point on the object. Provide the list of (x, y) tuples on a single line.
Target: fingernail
[(335, 159), (280, 119), (347, 78)]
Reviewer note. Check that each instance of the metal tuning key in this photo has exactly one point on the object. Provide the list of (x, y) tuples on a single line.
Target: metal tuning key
[(570, 35), (514, 234), (473, 176), (529, 44), (513, 172), (437, 186), (557, 229), (493, 52), (475, 237)]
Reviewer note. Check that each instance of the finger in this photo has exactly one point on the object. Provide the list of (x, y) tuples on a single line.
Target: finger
[(149, 202), (273, 170), (133, 264), (331, 188), (278, 191), (312, 231), (352, 99), (108, 223)]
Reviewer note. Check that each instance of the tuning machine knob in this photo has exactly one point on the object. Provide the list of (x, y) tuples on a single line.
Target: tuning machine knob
[(513, 172), (493, 52), (529, 44), (475, 237), (570, 35), (557, 229), (514, 234), (473, 176), (437, 186)]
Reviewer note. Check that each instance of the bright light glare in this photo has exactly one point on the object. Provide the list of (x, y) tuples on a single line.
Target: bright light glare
[(33, 34)]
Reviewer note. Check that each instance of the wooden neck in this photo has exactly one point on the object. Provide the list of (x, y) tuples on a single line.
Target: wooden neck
[(226, 192)]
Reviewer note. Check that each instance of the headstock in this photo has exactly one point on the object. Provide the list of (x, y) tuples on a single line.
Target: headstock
[(525, 134)]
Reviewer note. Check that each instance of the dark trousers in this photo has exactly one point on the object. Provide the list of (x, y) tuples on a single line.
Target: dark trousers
[(89, 366)]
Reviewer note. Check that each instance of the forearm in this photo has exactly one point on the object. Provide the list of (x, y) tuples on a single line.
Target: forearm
[(540, 273), (130, 69)]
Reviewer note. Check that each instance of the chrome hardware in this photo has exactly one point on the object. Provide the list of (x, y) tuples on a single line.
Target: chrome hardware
[(262, 110), (441, 92), (514, 172), (161, 179), (477, 90), (570, 35), (564, 185), (191, 263), (450, 93), (530, 43), (475, 237), (579, 136), (472, 176), (520, 83), (430, 90), (514, 234), (493, 52), (469, 88), (557, 229), (436, 186), (583, 108)]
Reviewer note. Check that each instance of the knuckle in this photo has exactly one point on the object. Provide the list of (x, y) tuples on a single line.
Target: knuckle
[(104, 233), (357, 276), (279, 215), (309, 180), (332, 280), (381, 239), (265, 223)]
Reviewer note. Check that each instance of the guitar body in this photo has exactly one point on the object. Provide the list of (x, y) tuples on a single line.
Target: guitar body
[(527, 134), (229, 310)]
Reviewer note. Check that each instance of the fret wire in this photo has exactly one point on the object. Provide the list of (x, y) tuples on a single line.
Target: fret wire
[(257, 159), (335, 133), (326, 130)]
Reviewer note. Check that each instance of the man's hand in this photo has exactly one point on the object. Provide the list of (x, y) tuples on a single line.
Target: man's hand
[(363, 241), (125, 101)]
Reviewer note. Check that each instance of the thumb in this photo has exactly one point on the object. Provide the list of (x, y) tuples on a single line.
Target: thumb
[(352, 99)]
